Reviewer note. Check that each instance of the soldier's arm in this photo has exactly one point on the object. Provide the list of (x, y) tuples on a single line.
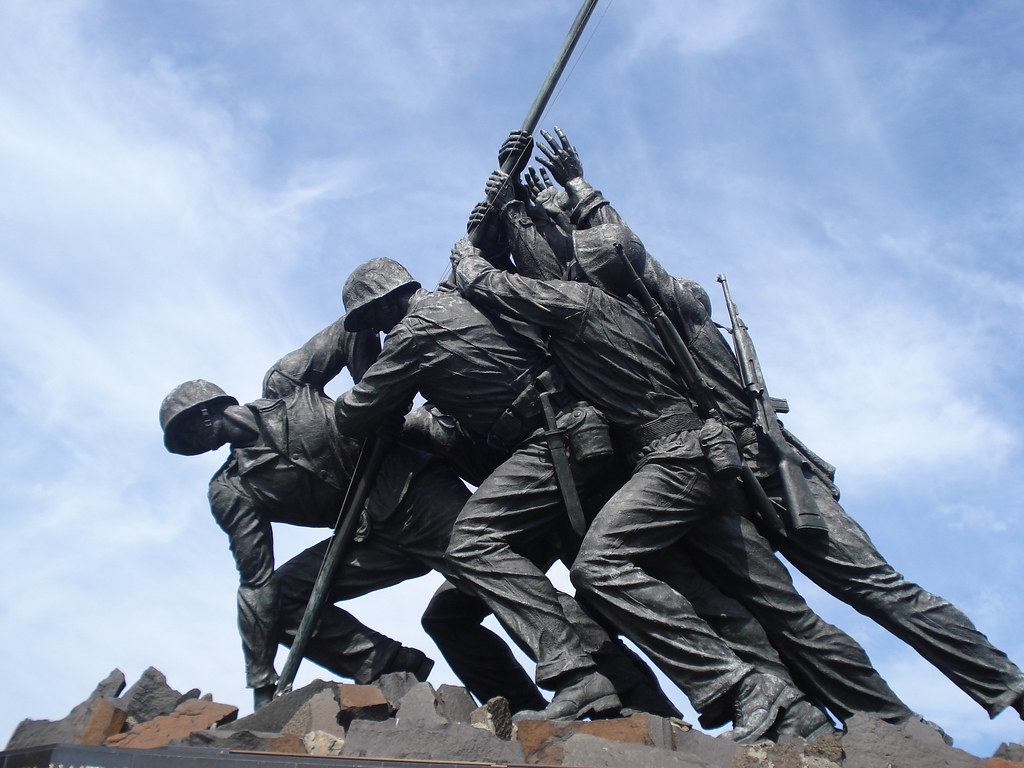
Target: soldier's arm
[(532, 250), (386, 388), (321, 359), (252, 544), (554, 304)]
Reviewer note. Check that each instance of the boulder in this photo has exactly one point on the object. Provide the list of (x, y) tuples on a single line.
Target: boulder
[(275, 716), (150, 696), (323, 744), (319, 713), (543, 740), (458, 704), (421, 707), (494, 716), (704, 748), (36, 733), (394, 685), (361, 702), (189, 716), (870, 742)]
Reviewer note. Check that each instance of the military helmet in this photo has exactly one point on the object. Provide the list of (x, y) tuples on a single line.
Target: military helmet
[(696, 289), (181, 405), (597, 256), (369, 282)]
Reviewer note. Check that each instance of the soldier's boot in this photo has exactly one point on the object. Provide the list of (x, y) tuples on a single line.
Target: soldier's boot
[(760, 698), (801, 719), (587, 694), (411, 660)]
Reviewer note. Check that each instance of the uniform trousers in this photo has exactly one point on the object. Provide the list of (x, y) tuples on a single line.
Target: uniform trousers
[(845, 563), (409, 544), (666, 500)]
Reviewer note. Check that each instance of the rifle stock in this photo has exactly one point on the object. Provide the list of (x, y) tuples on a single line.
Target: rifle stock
[(800, 506)]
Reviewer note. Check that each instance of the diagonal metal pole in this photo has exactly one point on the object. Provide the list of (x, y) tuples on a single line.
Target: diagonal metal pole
[(558, 66), (370, 457), (373, 450), (546, 89)]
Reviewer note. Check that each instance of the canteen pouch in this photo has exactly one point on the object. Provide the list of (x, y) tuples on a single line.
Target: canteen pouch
[(587, 433), (720, 449)]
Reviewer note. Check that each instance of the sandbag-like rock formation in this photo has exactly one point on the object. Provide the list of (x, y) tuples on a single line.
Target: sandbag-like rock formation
[(404, 719)]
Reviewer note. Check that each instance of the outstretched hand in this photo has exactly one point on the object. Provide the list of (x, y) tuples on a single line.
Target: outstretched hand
[(518, 147), (560, 157), (544, 193)]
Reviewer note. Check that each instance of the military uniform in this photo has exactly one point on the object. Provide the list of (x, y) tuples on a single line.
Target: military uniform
[(843, 560), (474, 369), (611, 355), (296, 472)]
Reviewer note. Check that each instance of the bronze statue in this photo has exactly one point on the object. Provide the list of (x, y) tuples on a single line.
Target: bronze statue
[(288, 463)]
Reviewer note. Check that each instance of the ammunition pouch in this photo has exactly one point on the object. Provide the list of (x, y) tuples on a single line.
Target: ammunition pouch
[(525, 415), (720, 449)]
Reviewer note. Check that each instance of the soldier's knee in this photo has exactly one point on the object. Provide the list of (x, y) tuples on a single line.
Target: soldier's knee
[(586, 575), (433, 622)]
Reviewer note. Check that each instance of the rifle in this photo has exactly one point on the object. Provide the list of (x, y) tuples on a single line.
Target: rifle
[(800, 506), (371, 454), (700, 389)]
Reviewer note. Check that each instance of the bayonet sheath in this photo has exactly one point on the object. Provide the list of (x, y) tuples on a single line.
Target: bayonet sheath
[(559, 450)]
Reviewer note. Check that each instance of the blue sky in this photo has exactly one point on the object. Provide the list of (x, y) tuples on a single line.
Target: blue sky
[(187, 184)]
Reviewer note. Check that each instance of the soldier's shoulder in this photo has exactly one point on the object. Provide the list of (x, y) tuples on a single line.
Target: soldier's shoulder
[(434, 307)]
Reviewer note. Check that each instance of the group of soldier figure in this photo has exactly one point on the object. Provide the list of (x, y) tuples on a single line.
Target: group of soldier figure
[(549, 389)]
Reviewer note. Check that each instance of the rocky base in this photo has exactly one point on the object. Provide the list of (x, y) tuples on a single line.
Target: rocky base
[(401, 718)]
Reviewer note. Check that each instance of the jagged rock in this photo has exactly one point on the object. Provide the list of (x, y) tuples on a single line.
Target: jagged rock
[(361, 702), (150, 696), (395, 685), (703, 748), (597, 752), (320, 713), (250, 741), (494, 716), (275, 716), (753, 756), (788, 753), (35, 733), (455, 741), (421, 707), (193, 715), (106, 719), (458, 704), (870, 742), (543, 740), (190, 694), (828, 747), (323, 744), (1012, 752), (998, 762)]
